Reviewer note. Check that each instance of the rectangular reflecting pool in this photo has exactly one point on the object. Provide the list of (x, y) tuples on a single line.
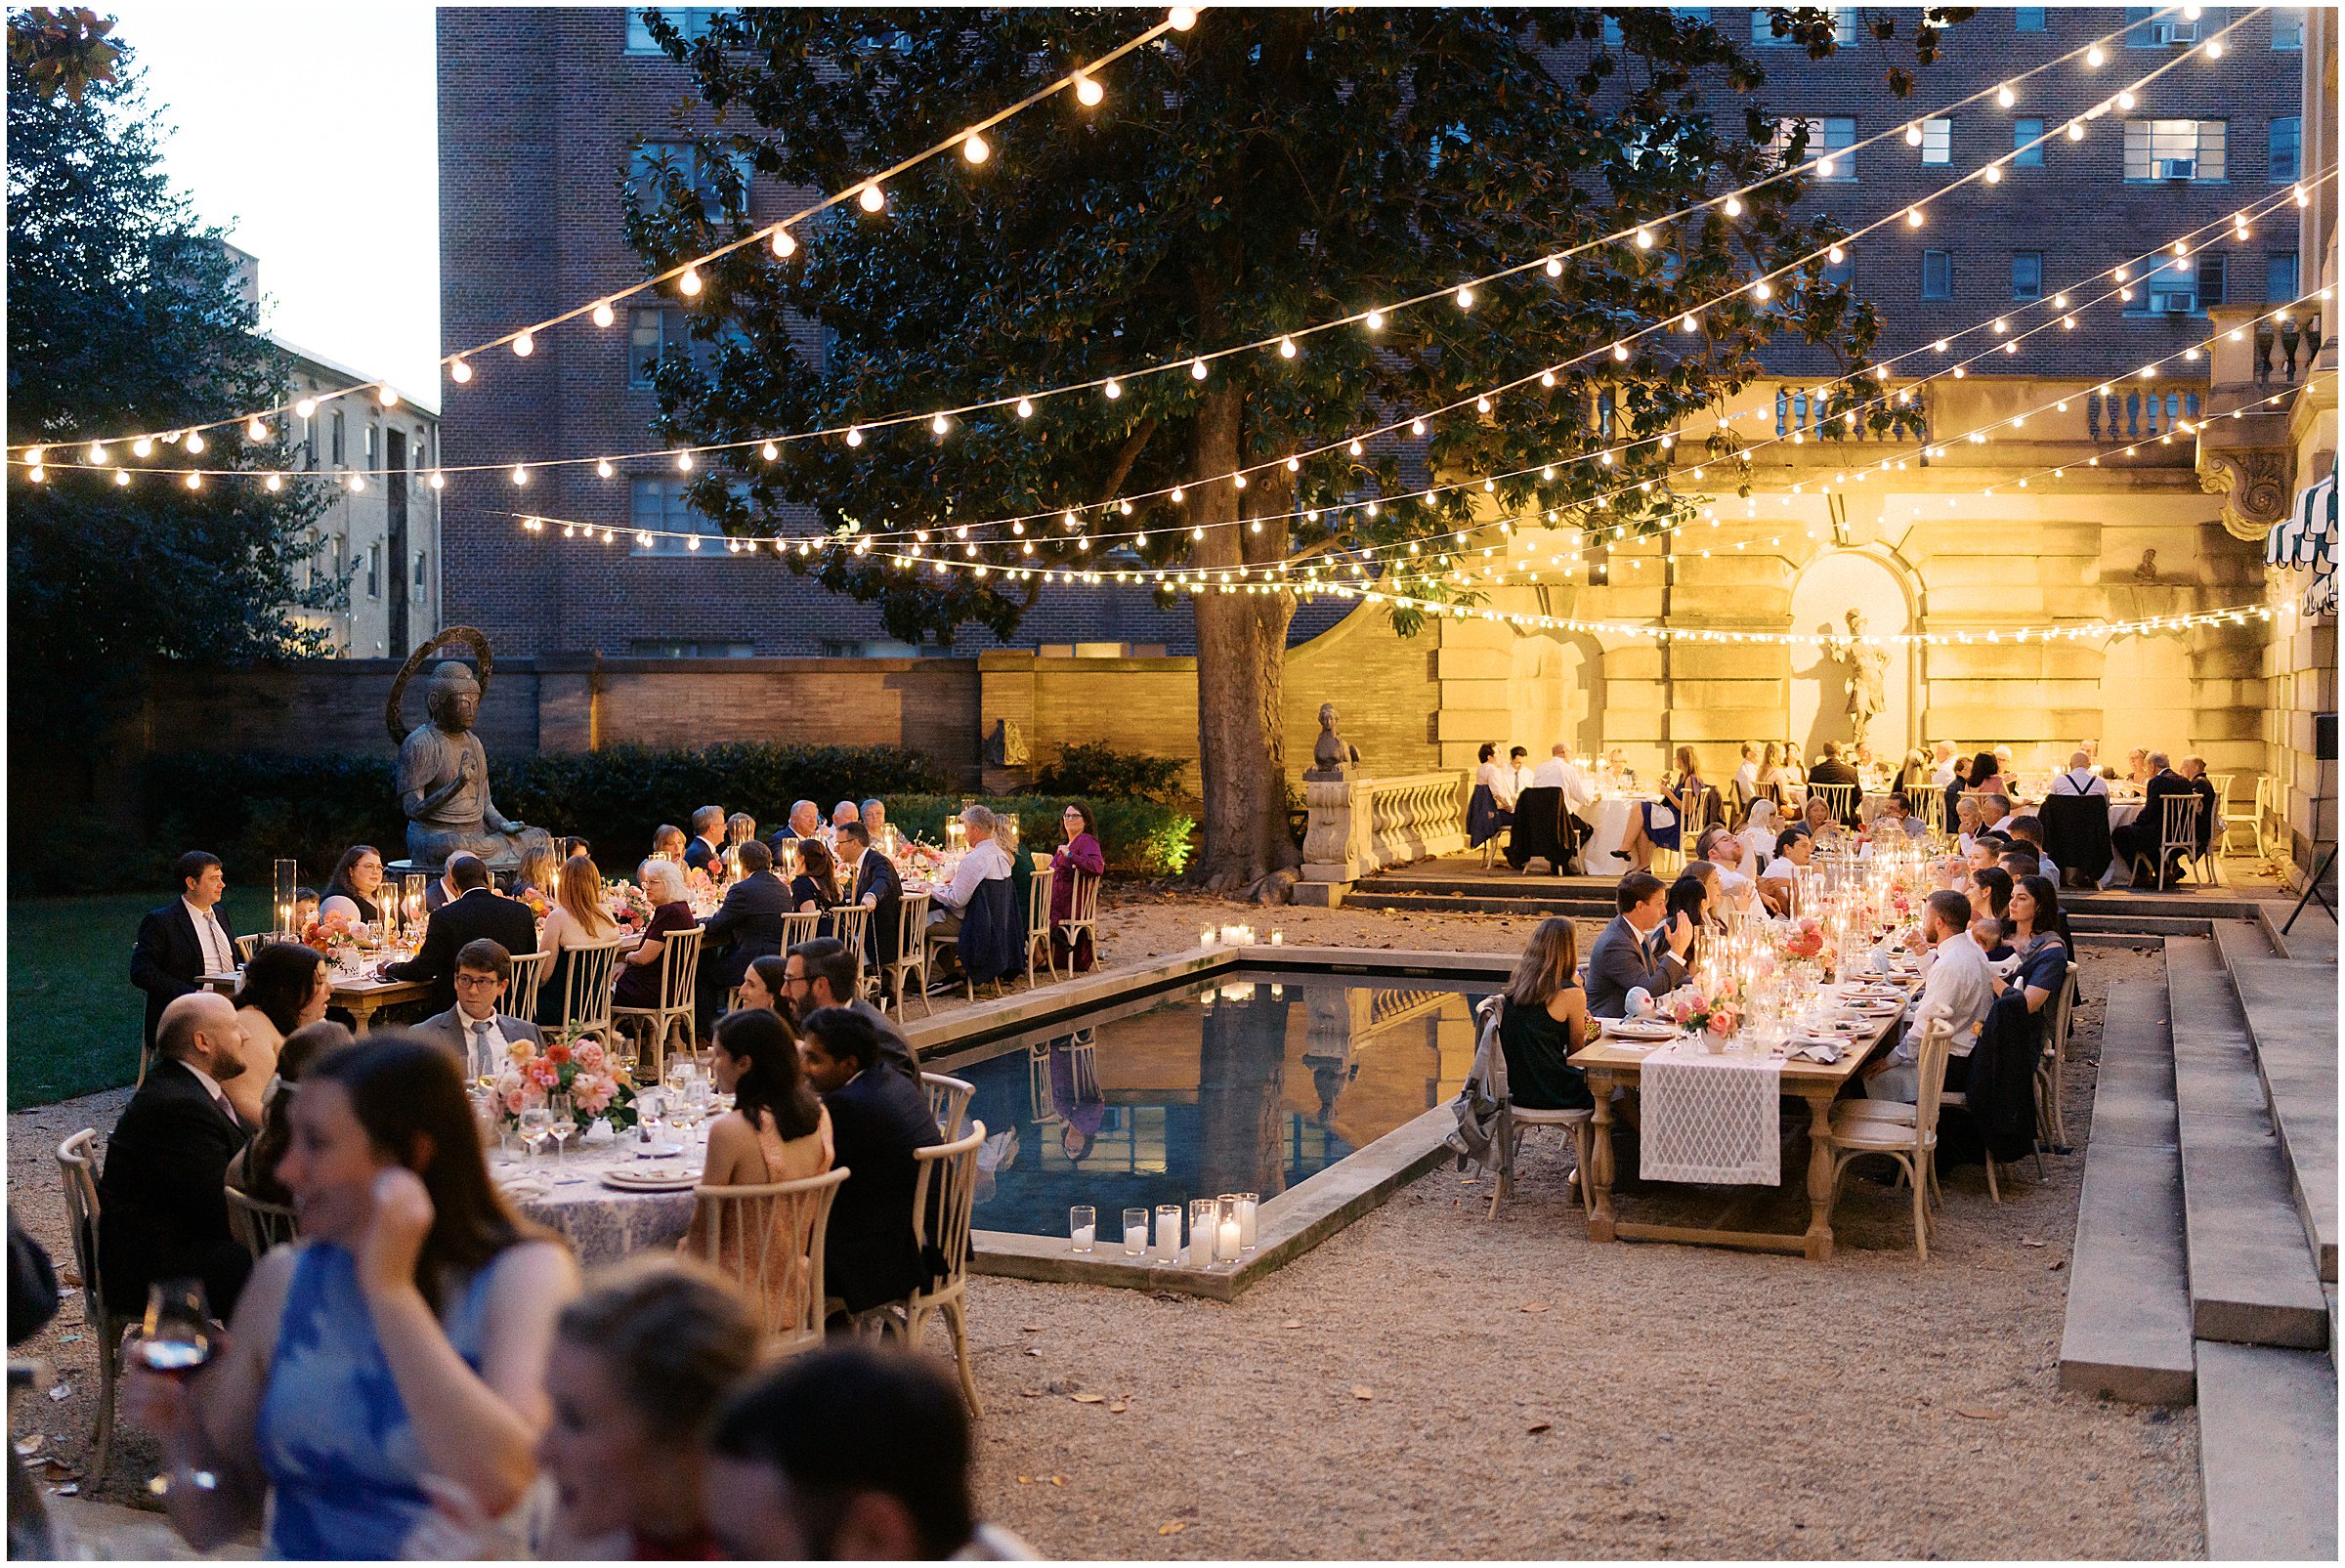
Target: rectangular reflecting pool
[(1251, 1081)]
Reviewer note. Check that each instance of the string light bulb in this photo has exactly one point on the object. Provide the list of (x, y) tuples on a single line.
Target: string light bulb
[(974, 148), (769, 451), (1197, 371), (1913, 217), (196, 442), (1182, 17), (1555, 267), (2126, 99), (254, 430), (2214, 49), (854, 434), (602, 468), (1994, 174), (1733, 208), (122, 475), (1088, 92), (603, 314), (524, 346), (457, 371), (1025, 408), (97, 453), (195, 480), (1375, 320), (1114, 388), (2095, 58), (871, 198), (1913, 134), (2075, 130), (2005, 96), (1645, 240), (388, 396), (785, 245), (143, 447), (1464, 298), (690, 283)]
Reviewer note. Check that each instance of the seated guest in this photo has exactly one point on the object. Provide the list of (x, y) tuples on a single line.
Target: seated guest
[(1082, 855), (1694, 895), (2036, 924), (162, 1213), (404, 1339), (1543, 1018), (1518, 761), (538, 872), (1561, 772), (304, 907), (873, 883), (1725, 850), (356, 889), (823, 973), (1830, 769), (564, 848), (2137, 841), (1994, 816), (854, 1451), (1768, 783), (286, 985), (1816, 815), (1641, 949), (2210, 810), (843, 812), (740, 828), (1760, 830), (1958, 785), (878, 1118), (1490, 805), (183, 940), (1795, 766), (1986, 773), (1897, 813), (1912, 776), (805, 821), (2019, 862), (2027, 834), (875, 824), (1990, 893), (578, 919), (1659, 824), (1745, 781), (253, 1170), (672, 912), (2141, 766), (1956, 985), (1942, 764), (707, 839), (477, 1032), (2080, 778), (668, 843), (1779, 883), (748, 925), (815, 889), (764, 984), (1489, 774), (1966, 821), (640, 1363), (778, 1130), (986, 860), (477, 911)]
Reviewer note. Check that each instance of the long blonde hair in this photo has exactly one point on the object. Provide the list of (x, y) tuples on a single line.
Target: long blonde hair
[(1547, 965), (582, 896)]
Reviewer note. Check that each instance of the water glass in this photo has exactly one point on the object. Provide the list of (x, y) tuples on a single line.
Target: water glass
[(1135, 1231), (537, 1123), (1082, 1226)]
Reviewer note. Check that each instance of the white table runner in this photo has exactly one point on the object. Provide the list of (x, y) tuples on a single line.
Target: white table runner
[(1708, 1117)]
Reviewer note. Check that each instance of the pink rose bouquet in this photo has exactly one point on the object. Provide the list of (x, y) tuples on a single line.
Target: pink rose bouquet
[(576, 1065)]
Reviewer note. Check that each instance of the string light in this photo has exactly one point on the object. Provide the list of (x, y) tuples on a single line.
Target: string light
[(525, 345), (603, 314), (975, 148), (1088, 92)]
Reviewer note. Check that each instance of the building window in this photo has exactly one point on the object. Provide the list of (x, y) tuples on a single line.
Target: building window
[(2027, 274), (2026, 144), (721, 180), (1763, 29), (1937, 141), (649, 331), (420, 447), (421, 579), (668, 648), (2176, 152), (2171, 29), (370, 448), (309, 440), (338, 438), (2028, 19), (1938, 275), (374, 571), (665, 523), (1829, 139), (2287, 149), (869, 648), (2170, 290), (2288, 29), (2279, 277), (689, 20)]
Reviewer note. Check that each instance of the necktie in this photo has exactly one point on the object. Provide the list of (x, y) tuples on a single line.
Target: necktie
[(480, 1045), (218, 956), (227, 1110)]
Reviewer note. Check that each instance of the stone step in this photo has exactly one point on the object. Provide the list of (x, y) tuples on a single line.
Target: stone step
[(2251, 1271), (2127, 1328), (2291, 1013), (2267, 1454)]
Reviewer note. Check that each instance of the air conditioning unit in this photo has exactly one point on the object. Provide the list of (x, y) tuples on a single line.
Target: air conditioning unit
[(2178, 168), (2173, 32), (2173, 304)]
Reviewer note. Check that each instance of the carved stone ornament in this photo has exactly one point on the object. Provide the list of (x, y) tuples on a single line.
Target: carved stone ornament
[(2255, 486), (1005, 747)]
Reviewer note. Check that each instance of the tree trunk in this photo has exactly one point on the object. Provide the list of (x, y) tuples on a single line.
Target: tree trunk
[(1241, 668)]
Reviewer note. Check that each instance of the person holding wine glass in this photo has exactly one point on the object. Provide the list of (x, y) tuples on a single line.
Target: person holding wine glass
[(405, 1336)]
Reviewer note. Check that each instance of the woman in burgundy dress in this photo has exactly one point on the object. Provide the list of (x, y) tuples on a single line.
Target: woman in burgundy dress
[(1080, 853)]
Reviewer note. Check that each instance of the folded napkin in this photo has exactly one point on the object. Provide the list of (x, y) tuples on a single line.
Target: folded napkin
[(527, 1186), (1816, 1050)]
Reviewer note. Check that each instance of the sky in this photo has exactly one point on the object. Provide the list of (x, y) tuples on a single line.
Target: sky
[(309, 132)]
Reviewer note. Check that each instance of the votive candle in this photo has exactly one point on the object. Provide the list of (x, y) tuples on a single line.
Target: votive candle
[(1135, 1231), (1202, 1212), (1248, 1204), (1226, 1239), (1167, 1233), (1083, 1225)]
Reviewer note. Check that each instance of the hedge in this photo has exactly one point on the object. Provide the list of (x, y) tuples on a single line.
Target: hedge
[(251, 808)]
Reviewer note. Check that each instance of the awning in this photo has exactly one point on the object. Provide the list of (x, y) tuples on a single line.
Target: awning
[(2308, 537)]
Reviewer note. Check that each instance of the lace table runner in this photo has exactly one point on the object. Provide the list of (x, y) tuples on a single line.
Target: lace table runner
[(1708, 1117)]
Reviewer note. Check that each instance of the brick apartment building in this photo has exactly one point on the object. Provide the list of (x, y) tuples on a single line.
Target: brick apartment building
[(541, 112)]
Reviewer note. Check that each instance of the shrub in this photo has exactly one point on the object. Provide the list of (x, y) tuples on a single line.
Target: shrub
[(1101, 773), (1138, 838)]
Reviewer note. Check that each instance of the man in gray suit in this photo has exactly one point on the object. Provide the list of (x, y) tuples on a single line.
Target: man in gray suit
[(1635, 949), (474, 1029)]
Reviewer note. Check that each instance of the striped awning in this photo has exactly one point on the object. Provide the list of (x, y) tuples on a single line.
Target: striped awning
[(2308, 537)]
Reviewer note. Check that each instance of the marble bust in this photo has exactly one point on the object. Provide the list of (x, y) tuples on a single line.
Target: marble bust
[(443, 782), (1332, 757)]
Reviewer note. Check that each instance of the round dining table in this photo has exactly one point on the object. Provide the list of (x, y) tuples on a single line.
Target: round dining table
[(602, 1223)]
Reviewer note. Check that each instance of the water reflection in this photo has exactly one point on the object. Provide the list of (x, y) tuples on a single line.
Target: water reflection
[(1247, 1085)]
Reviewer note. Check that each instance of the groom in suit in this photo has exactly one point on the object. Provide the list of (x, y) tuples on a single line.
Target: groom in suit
[(183, 940), (162, 1207), (1637, 949)]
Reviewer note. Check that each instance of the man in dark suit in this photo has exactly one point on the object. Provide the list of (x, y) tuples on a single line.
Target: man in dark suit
[(877, 1119), (477, 911), (707, 839), (805, 821), (877, 887), (2137, 840), (183, 940), (746, 926), (1829, 769), (162, 1207), (1637, 949)]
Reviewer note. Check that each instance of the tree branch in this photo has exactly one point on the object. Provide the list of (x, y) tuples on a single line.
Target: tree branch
[(1125, 456)]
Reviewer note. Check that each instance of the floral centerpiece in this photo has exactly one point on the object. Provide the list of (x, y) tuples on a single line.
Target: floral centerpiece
[(699, 885), (1805, 939), (566, 1064), (537, 903), (1716, 1007), (630, 905), (335, 936)]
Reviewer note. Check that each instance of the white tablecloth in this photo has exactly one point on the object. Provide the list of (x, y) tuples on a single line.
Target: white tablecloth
[(1609, 824), (601, 1223), (1707, 1118)]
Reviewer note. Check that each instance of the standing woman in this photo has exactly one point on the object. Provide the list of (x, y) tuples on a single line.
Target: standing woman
[(1543, 1018), (286, 987), (403, 1338), (354, 890), (815, 886), (1081, 852), (578, 919)]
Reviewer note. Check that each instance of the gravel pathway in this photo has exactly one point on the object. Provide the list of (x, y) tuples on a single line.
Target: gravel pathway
[(1431, 1384)]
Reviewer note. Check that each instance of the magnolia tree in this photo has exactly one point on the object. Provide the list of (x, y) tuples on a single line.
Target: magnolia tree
[(1235, 182)]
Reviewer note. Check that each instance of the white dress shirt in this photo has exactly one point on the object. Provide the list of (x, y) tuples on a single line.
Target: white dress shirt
[(1941, 776), (1747, 777), (1522, 779), (986, 860), (2080, 782), (1501, 784), (218, 954), (1556, 774), (484, 1047)]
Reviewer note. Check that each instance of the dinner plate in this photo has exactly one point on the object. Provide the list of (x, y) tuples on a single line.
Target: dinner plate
[(652, 1180), (1641, 1029)]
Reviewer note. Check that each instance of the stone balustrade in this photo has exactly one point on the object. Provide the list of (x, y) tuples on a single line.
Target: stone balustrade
[(1357, 826)]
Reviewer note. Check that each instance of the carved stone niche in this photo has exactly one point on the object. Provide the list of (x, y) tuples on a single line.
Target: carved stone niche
[(2251, 463)]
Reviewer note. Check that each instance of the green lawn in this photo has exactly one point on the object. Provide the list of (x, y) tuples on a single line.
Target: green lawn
[(73, 1015)]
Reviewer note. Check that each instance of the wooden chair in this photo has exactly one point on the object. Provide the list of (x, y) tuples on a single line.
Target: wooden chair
[(851, 923), (1038, 921), (259, 1225), (1581, 1127), (1929, 805), (768, 1239), (948, 1101), (2051, 1065), (586, 990), (940, 1218), (1083, 915), (2177, 843), (801, 925), (2270, 801), (247, 947), (521, 990), (679, 976), (910, 956), (77, 1168), (1906, 1134), (1842, 798), (2251, 820)]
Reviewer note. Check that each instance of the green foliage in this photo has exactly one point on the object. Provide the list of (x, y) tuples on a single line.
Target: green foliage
[(62, 48), (1141, 837), (1101, 772)]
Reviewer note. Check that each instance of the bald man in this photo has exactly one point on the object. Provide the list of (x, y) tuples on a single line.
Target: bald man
[(2081, 779), (163, 1208)]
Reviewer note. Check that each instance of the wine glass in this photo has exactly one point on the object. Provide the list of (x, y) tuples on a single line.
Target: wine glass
[(537, 1123), (564, 1126), (175, 1341)]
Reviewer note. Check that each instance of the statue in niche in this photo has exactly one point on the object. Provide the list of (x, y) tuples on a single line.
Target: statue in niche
[(443, 782), (1332, 756), (1868, 679)]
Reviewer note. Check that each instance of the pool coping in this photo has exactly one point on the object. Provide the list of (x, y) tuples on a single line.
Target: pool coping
[(1290, 1224)]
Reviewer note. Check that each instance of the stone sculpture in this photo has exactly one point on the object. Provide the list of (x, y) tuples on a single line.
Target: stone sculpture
[(443, 782), (1867, 682), (1332, 757)]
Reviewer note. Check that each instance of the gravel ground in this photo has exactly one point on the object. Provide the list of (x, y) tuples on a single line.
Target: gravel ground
[(1666, 1401)]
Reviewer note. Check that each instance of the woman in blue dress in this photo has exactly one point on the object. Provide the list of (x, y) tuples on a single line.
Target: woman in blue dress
[(1658, 825), (402, 1340)]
